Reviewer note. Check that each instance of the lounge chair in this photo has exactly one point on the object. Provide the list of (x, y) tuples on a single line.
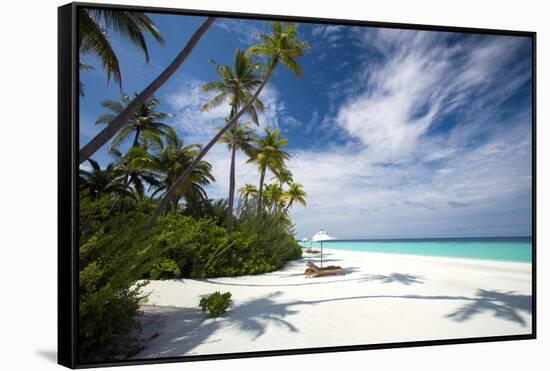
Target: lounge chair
[(314, 271), (311, 251)]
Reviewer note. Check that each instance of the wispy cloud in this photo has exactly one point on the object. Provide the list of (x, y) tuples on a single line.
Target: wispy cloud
[(405, 177), (246, 31), (188, 99), (419, 79), (328, 35), (356, 198)]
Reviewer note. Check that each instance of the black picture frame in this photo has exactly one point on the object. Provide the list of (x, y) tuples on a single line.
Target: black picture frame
[(68, 147)]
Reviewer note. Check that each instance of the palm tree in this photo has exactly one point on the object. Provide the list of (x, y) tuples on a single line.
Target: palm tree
[(273, 196), (144, 122), (281, 46), (235, 85), (99, 182), (134, 166), (283, 176), (241, 138), (170, 160), (295, 193), (247, 192), (106, 134), (94, 26), (268, 155)]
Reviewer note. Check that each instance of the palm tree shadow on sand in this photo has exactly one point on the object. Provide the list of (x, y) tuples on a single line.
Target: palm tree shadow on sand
[(505, 305), (402, 278), (183, 329), (190, 327)]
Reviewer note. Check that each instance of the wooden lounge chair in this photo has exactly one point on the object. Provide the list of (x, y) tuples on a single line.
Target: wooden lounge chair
[(311, 251), (314, 271)]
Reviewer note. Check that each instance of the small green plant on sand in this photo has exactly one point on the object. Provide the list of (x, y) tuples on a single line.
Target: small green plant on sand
[(216, 304)]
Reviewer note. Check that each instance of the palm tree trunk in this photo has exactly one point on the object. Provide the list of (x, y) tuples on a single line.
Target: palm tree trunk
[(135, 144), (232, 179), (287, 207), (169, 194), (136, 138), (261, 191), (110, 130)]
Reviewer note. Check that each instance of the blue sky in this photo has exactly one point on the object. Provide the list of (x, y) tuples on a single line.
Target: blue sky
[(393, 133)]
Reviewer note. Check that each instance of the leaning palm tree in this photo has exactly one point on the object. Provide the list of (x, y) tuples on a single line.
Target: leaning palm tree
[(281, 46), (235, 86), (96, 24), (247, 192), (106, 134), (145, 122), (294, 193), (169, 161), (269, 155), (99, 182)]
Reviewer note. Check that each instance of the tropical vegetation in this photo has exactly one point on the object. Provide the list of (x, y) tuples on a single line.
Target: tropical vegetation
[(147, 214), (216, 304)]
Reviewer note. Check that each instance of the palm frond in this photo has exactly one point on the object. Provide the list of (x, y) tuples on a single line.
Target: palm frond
[(94, 40)]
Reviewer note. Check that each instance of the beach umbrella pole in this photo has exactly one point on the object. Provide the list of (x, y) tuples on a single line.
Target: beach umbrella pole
[(321, 254)]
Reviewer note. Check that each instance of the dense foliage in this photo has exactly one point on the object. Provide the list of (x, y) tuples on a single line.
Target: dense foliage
[(216, 304), (113, 254), (200, 248), (117, 253)]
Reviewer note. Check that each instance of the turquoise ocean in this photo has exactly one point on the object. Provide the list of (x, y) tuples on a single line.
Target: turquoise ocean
[(518, 249)]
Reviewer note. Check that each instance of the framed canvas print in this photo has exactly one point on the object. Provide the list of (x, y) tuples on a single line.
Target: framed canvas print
[(241, 185)]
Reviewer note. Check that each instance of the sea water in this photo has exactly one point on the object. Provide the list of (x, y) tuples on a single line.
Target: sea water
[(518, 249)]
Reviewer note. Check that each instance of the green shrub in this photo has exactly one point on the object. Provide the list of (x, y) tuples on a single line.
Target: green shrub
[(274, 235), (166, 268), (216, 304), (113, 255), (203, 249)]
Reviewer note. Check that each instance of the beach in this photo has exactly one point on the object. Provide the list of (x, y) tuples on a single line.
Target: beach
[(380, 298)]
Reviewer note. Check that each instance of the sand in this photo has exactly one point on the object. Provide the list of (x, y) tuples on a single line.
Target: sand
[(381, 298)]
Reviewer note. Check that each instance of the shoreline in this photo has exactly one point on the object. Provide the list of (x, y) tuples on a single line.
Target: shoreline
[(381, 298), (349, 247), (422, 255)]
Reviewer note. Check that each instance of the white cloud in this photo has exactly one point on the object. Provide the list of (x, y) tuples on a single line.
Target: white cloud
[(199, 127), (400, 181), (419, 80), (328, 35), (246, 31), (351, 197)]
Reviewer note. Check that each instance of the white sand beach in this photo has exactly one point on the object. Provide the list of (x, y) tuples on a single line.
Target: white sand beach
[(381, 298)]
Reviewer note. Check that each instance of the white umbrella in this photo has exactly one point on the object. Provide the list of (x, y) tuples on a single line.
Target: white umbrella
[(321, 236)]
